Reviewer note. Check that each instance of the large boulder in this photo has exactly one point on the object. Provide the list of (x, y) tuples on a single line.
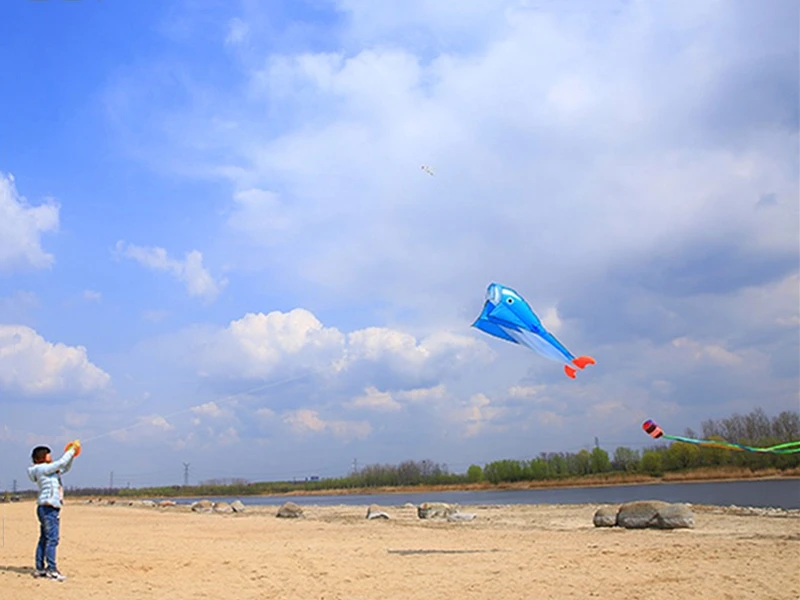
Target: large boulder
[(375, 512), (435, 510), (204, 506), (675, 516), (289, 510), (237, 506), (646, 514), (639, 515), (606, 516)]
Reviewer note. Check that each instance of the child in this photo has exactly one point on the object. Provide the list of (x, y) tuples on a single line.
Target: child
[(47, 475)]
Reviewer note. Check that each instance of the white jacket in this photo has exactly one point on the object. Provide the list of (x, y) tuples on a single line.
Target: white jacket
[(48, 477)]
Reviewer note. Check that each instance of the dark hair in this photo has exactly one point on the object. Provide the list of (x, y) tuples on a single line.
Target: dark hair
[(39, 453)]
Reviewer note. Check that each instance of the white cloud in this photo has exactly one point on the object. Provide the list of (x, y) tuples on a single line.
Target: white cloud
[(439, 352), (551, 320), (525, 391), (92, 296), (209, 409), (237, 32), (374, 399), (21, 228), (190, 271), (208, 438), (265, 413), (478, 413), (429, 395), (714, 353), (259, 214), (32, 365), (228, 436), (259, 345), (148, 426), (305, 421)]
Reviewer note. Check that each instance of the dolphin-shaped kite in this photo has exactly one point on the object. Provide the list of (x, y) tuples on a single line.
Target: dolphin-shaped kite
[(507, 316)]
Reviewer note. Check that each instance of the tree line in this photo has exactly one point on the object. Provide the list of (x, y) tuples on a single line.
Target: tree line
[(753, 429)]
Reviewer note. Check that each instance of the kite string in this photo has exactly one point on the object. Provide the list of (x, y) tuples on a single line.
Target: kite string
[(183, 410), (786, 448)]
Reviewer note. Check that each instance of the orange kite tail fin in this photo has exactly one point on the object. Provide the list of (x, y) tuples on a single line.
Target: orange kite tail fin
[(569, 371), (582, 361)]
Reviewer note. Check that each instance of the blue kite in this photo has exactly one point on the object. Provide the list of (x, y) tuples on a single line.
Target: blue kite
[(507, 316)]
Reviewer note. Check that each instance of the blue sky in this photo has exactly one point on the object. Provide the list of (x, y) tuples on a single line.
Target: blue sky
[(217, 245)]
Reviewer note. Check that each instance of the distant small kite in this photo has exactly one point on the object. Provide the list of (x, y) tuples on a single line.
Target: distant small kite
[(507, 316), (654, 431), (428, 170)]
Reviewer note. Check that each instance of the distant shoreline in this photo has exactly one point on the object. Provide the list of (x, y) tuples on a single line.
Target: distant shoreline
[(616, 480), (525, 485)]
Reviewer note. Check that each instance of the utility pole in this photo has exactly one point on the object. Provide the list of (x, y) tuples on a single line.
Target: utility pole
[(111, 481), (14, 487), (185, 474), (596, 442), (355, 466)]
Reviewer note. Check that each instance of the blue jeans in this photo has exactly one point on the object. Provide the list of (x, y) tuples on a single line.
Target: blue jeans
[(48, 537)]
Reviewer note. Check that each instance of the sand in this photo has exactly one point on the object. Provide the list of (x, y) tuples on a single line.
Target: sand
[(507, 552)]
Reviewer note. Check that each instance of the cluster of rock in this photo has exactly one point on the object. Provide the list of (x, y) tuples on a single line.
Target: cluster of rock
[(207, 506), (756, 511), (441, 510), (645, 514), (426, 510), (203, 506), (120, 502), (631, 515)]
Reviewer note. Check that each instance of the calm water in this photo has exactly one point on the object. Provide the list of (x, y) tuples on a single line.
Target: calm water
[(781, 493)]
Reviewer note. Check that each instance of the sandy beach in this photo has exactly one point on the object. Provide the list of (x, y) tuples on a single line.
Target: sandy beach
[(335, 553)]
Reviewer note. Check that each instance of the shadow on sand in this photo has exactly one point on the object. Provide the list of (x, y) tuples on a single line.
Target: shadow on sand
[(18, 570)]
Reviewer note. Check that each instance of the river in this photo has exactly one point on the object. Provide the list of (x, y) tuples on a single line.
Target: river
[(776, 493)]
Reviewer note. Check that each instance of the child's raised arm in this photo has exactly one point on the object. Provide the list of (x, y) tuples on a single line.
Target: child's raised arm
[(64, 463)]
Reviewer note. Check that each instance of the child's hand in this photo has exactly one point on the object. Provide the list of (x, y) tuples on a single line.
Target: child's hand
[(74, 444)]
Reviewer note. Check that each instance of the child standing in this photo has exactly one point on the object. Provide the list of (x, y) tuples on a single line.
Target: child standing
[(47, 475)]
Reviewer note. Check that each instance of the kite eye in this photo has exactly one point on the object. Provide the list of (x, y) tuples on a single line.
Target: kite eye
[(510, 300)]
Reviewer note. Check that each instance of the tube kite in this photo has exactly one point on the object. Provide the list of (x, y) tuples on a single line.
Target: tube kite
[(654, 431), (506, 315), (428, 170)]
